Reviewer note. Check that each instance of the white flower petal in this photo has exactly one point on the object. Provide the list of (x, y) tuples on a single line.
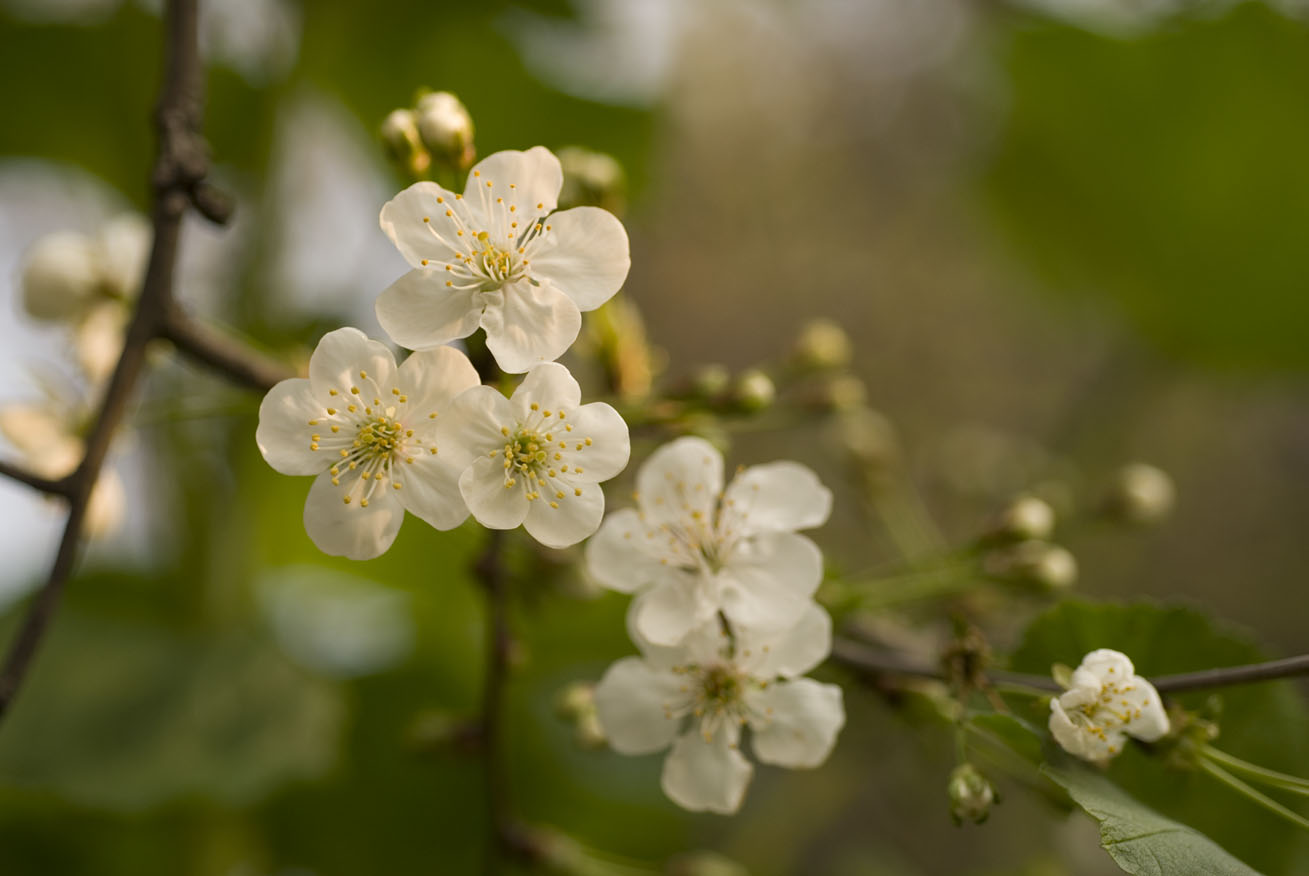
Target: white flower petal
[(1149, 719), (631, 701), (618, 558), (668, 611), (470, 425), (549, 386), (124, 248), (769, 579), (575, 518), (706, 776), (802, 718), (679, 479), (493, 504), (429, 489), (606, 445), (1078, 741), (284, 432), (777, 496), (1107, 664), (351, 530), (105, 508), (432, 378), (585, 255), (790, 653), (529, 324), (402, 220), (535, 176), (343, 357), (419, 311)]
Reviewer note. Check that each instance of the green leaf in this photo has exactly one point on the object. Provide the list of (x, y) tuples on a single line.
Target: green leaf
[(1013, 733), (1263, 723), (127, 716), (1140, 840)]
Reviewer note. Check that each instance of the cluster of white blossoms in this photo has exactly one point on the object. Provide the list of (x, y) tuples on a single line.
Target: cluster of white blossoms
[(1106, 702), (724, 612), (426, 437), (725, 620)]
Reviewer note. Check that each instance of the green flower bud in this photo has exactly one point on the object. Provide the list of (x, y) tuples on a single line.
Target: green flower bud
[(1023, 519), (403, 145), (1140, 494), (710, 382), (575, 700), (754, 390), (1038, 564), (822, 345), (971, 795), (592, 179)]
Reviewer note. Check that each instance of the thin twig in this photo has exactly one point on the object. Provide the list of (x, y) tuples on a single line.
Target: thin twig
[(868, 659), (228, 357), (490, 573), (180, 165), (35, 481)]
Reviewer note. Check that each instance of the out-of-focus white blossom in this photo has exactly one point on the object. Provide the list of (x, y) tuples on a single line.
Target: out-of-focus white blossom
[(367, 430), (446, 128), (66, 275), (1105, 703), (536, 458), (700, 696), (693, 548), (499, 257)]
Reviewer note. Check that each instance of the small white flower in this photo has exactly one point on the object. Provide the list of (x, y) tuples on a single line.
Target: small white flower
[(367, 429), (536, 458), (694, 549), (494, 257), (699, 696), (1105, 703)]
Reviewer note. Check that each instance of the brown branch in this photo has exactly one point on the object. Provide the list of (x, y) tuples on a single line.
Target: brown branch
[(225, 355), (865, 658), (180, 166), (503, 833), (35, 481)]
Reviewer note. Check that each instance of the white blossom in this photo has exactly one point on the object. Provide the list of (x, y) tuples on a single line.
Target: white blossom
[(498, 257), (1105, 703), (536, 458), (67, 274), (693, 549), (367, 430), (698, 697)]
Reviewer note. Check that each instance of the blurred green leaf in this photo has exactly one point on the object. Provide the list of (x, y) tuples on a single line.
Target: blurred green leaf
[(1263, 723), (127, 716), (1140, 840), (1167, 172)]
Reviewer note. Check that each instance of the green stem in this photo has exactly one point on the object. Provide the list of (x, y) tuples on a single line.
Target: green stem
[(1241, 787), (1254, 772)]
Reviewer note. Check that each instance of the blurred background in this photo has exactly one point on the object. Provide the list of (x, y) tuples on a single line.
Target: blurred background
[(1062, 235)]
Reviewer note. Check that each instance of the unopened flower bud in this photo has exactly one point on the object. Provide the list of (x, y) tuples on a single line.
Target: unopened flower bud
[(844, 392), (822, 345), (1023, 519), (592, 179), (971, 795), (403, 144), (61, 276), (1140, 494), (1039, 564), (754, 390), (446, 129), (869, 438), (575, 700), (710, 382)]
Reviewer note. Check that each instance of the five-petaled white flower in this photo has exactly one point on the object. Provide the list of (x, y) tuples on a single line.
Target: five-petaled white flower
[(1105, 703), (367, 429), (698, 696), (536, 458), (694, 549), (496, 257)]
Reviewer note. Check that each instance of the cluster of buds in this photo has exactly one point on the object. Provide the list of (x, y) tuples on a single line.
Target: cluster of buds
[(435, 135), (1018, 549)]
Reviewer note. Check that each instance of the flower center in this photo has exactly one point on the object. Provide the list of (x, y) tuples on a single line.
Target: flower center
[(378, 438), (714, 697)]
